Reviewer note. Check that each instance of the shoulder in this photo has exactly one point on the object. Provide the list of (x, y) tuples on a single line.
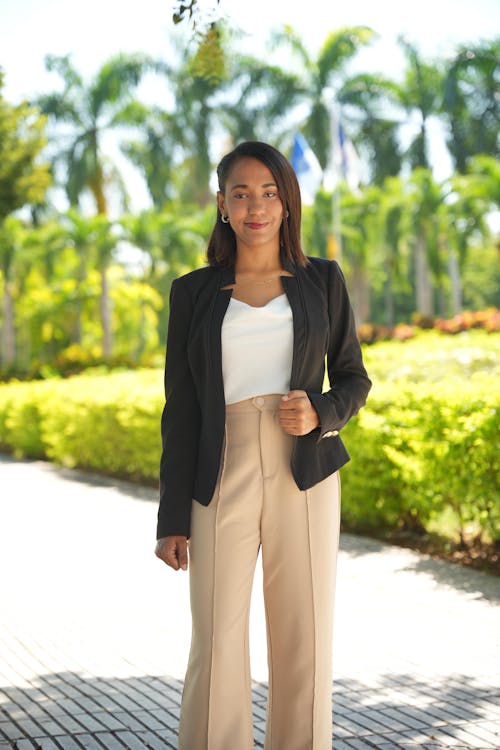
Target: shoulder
[(322, 265), (198, 276), (194, 281), (323, 269)]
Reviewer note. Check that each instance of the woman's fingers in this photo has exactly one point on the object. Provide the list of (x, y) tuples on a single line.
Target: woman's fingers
[(296, 414), (173, 550)]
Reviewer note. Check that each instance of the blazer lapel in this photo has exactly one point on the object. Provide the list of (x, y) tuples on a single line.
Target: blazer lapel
[(218, 309), (293, 291)]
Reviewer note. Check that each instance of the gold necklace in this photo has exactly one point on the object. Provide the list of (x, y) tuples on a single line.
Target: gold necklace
[(257, 283)]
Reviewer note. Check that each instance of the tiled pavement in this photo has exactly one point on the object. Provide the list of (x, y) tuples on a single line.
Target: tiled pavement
[(94, 631)]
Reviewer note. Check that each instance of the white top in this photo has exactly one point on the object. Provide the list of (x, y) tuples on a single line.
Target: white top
[(257, 349)]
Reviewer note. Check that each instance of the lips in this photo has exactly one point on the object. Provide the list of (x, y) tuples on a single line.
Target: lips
[(255, 225)]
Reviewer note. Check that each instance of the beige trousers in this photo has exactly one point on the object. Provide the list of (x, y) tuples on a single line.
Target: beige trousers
[(256, 502)]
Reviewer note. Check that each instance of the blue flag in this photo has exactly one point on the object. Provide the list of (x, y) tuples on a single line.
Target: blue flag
[(307, 169)]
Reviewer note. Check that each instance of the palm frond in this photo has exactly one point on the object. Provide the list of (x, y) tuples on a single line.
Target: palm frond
[(62, 65), (118, 77), (339, 47)]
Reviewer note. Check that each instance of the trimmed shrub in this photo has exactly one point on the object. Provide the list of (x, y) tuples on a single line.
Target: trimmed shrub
[(419, 450), (20, 420), (107, 423)]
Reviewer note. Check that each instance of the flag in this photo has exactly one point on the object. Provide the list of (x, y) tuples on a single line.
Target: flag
[(307, 168), (348, 160)]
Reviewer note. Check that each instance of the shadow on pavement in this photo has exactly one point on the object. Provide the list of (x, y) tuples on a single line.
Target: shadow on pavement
[(482, 585), (70, 710)]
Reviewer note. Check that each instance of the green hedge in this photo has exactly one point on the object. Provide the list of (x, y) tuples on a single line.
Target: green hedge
[(420, 451), (107, 423), (424, 447)]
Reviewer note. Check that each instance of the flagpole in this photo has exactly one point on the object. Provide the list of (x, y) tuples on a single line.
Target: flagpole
[(335, 243)]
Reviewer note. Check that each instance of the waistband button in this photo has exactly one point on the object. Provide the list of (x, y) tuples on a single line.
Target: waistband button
[(259, 401)]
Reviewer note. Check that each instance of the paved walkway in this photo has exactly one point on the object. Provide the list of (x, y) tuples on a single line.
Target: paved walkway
[(94, 630)]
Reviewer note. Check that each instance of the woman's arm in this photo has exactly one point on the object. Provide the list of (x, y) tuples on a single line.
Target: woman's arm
[(349, 382), (180, 422)]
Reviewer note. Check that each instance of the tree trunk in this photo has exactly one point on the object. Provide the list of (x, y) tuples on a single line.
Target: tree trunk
[(360, 295), (455, 282), (8, 329), (141, 339), (100, 199), (442, 307), (105, 305), (76, 335), (422, 278), (389, 298)]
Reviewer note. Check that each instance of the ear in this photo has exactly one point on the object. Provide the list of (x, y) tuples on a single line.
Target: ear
[(220, 203)]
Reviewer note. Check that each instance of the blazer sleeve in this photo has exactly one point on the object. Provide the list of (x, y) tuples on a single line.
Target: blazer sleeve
[(180, 421), (349, 382)]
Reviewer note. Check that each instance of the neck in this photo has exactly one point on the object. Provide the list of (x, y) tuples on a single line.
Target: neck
[(257, 260)]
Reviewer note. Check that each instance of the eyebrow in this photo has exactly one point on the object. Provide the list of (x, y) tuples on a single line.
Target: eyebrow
[(266, 184)]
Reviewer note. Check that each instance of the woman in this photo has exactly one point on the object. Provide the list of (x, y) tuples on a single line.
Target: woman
[(251, 452)]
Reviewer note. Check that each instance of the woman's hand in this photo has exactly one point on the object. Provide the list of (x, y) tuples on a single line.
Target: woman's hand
[(173, 550), (296, 414)]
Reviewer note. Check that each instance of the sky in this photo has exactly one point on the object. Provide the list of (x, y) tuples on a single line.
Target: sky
[(95, 30)]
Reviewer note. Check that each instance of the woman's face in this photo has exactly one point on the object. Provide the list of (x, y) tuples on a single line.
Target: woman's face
[(252, 203)]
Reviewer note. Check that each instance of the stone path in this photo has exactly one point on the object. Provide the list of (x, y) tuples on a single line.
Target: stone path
[(94, 630)]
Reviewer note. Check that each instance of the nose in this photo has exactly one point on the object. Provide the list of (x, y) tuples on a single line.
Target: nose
[(255, 205)]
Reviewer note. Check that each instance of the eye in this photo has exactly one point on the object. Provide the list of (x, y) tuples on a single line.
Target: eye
[(239, 195), (270, 194)]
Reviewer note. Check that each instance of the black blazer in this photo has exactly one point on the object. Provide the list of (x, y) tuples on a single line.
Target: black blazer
[(193, 420)]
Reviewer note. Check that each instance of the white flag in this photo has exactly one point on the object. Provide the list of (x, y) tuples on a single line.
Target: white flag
[(349, 162), (307, 168)]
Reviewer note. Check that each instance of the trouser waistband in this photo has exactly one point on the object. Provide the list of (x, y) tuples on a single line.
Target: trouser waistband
[(265, 402)]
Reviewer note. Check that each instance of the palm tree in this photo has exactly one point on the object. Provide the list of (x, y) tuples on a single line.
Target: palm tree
[(420, 95), (85, 112), (471, 104), (173, 242), (106, 240), (425, 200), (46, 292), (370, 105), (470, 198), (323, 80), (392, 231), (359, 214), (259, 100), (94, 240), (194, 118), (80, 235), (154, 154)]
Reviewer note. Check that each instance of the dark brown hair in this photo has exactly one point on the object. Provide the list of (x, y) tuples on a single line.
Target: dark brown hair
[(221, 249)]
